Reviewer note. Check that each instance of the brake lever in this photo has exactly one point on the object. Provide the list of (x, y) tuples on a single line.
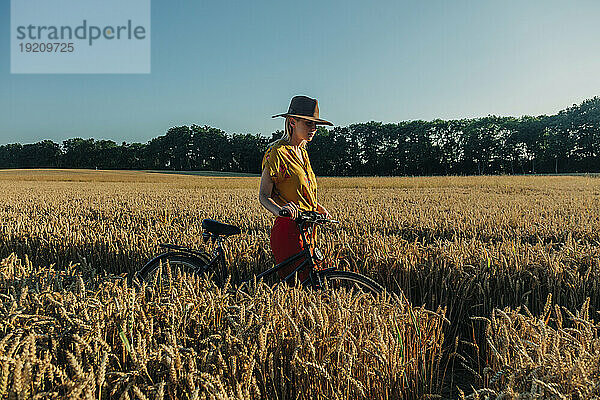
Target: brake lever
[(309, 216)]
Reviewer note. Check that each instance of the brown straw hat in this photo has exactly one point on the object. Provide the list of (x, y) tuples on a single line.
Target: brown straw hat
[(305, 108)]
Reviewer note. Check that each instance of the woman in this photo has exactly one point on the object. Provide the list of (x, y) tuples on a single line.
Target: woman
[(288, 181)]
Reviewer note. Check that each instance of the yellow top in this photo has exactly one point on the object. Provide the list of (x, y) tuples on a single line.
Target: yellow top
[(293, 176)]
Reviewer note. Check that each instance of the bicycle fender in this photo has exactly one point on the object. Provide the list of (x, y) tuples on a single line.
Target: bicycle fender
[(166, 255)]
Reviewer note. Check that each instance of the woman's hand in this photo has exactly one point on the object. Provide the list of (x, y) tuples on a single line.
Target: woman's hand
[(292, 209), (323, 211)]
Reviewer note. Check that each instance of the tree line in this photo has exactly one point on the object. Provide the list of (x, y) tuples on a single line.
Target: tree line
[(566, 142)]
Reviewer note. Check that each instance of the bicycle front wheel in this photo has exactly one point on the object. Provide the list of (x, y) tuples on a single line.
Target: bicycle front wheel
[(350, 281), (169, 265)]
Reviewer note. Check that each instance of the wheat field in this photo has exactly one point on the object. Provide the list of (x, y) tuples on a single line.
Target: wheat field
[(492, 290)]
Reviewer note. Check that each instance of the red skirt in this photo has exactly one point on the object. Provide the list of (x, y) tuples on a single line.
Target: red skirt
[(285, 242)]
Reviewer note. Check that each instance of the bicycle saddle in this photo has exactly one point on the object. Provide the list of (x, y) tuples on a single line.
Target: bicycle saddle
[(219, 228)]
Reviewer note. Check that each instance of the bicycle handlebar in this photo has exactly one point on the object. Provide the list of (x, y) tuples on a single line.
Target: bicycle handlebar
[(308, 216)]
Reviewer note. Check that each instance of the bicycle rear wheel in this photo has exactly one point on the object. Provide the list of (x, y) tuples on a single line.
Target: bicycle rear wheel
[(169, 265), (350, 281)]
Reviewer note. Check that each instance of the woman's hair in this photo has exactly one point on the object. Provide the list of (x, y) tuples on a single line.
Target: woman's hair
[(287, 132)]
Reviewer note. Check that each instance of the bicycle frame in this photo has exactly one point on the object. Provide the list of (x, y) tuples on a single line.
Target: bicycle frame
[(306, 253), (218, 253)]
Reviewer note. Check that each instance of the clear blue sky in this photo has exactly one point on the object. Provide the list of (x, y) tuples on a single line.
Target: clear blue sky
[(233, 64)]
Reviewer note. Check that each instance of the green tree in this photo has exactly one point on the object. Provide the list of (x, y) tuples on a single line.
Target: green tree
[(78, 153)]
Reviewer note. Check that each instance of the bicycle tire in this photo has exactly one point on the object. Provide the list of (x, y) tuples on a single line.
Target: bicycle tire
[(197, 263), (351, 280)]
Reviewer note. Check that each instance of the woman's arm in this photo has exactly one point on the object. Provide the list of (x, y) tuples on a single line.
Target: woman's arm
[(264, 193), (264, 197)]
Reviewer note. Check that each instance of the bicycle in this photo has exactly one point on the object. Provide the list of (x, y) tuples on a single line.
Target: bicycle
[(198, 262)]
